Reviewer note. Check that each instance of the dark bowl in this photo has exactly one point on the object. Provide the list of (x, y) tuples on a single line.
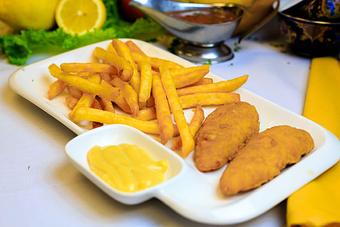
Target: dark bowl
[(311, 38)]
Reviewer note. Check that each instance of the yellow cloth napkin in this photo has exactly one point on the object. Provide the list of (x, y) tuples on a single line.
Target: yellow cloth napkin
[(318, 203), (322, 103)]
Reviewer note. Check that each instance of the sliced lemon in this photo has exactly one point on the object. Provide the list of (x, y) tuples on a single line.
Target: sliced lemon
[(77, 17)]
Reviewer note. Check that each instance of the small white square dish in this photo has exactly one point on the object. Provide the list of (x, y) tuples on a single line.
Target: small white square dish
[(193, 194), (77, 150)]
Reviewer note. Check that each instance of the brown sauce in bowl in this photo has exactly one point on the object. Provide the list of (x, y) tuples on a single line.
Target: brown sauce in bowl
[(205, 15)]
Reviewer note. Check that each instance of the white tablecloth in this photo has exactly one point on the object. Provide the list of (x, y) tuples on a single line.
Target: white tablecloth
[(40, 187)]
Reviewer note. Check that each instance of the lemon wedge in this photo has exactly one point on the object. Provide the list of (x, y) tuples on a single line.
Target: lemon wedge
[(76, 17)]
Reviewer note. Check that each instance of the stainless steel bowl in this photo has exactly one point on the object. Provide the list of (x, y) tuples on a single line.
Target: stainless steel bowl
[(198, 42)]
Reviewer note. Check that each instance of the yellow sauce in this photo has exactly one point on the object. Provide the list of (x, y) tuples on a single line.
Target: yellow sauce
[(126, 167)]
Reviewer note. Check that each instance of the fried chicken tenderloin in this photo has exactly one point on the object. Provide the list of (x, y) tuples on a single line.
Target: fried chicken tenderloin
[(223, 133), (263, 158)]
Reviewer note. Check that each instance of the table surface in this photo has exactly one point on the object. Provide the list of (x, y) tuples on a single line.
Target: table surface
[(40, 187)]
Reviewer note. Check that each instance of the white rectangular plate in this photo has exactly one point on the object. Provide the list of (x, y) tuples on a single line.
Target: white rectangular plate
[(196, 196)]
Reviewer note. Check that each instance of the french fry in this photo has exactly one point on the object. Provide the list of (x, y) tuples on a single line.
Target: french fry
[(96, 105), (203, 69), (162, 110), (208, 99), (155, 62), (86, 99), (122, 65), (125, 52), (147, 114), (106, 76), (145, 84), (94, 78), (55, 89), (107, 105), (75, 92), (84, 74), (121, 103), (128, 93), (204, 81), (174, 102), (103, 89), (102, 116), (54, 69), (223, 86), (71, 101), (188, 79), (111, 50), (88, 67), (194, 126), (134, 48)]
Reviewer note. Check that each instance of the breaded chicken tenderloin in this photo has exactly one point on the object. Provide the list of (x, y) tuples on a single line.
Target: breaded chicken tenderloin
[(223, 133), (263, 158)]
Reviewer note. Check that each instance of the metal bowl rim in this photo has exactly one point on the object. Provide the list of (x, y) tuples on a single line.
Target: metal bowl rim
[(315, 22)]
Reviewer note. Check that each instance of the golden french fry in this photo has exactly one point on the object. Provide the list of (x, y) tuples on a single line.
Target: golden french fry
[(54, 69), (71, 101), (196, 120), (75, 92), (145, 84), (135, 79), (121, 103), (103, 89), (106, 117), (147, 114), (106, 76), (94, 78), (204, 81), (128, 93), (86, 100), (223, 86), (124, 51), (112, 50), (122, 65), (174, 102), (107, 105), (188, 79), (203, 69), (88, 67), (155, 62), (162, 110), (84, 74), (194, 126), (208, 99), (55, 89), (134, 48)]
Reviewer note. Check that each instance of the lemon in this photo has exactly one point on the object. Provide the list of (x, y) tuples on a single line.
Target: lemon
[(23, 14), (77, 17)]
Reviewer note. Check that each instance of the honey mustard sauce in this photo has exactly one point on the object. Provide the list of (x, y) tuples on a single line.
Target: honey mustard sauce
[(126, 167)]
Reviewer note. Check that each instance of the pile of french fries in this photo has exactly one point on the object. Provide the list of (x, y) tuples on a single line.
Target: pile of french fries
[(146, 92)]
